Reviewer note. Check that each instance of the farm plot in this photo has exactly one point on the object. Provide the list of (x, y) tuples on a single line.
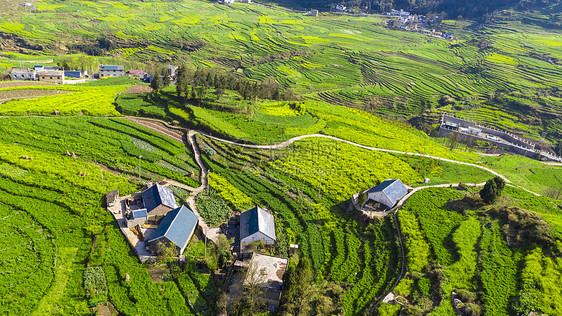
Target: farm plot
[(114, 143), (27, 94), (54, 226), (97, 101), (458, 245)]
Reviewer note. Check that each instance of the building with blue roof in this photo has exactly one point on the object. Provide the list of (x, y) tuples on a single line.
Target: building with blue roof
[(158, 200), (176, 229), (111, 71), (388, 193), (136, 217), (73, 73), (257, 224)]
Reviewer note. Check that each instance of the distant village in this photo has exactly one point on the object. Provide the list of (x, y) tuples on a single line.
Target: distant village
[(53, 74), (416, 23)]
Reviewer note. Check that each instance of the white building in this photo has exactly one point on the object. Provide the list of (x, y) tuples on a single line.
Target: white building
[(257, 224)]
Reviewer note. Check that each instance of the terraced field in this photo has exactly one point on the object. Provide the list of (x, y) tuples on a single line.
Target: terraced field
[(343, 60)]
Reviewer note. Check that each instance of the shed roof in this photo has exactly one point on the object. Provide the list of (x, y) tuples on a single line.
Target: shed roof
[(257, 220), (393, 189), (270, 271), (112, 67), (177, 226), (111, 196), (140, 213), (157, 195), (52, 73)]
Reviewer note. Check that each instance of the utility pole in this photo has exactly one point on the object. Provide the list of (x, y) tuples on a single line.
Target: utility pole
[(320, 186), (140, 157)]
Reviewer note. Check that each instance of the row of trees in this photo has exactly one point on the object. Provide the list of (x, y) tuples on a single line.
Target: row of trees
[(194, 85)]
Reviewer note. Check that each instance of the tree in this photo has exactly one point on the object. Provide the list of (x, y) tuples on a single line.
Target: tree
[(167, 79), (492, 190), (156, 83), (297, 283), (167, 252)]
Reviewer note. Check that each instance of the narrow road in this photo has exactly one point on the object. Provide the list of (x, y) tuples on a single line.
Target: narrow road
[(294, 139), (179, 135)]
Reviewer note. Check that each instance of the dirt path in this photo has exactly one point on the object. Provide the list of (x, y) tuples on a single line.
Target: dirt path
[(294, 139), (179, 135)]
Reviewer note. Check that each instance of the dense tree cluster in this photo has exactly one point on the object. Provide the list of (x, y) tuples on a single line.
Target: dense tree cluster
[(492, 190), (202, 79)]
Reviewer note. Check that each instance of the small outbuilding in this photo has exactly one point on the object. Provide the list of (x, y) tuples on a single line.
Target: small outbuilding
[(158, 200), (21, 74), (55, 76), (136, 217), (176, 229), (257, 224), (111, 198), (388, 193)]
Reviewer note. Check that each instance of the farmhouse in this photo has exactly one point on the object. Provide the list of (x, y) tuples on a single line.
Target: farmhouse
[(158, 200), (383, 196), (136, 217), (55, 76), (22, 74), (175, 229), (137, 73), (267, 272), (111, 71), (257, 224), (172, 71)]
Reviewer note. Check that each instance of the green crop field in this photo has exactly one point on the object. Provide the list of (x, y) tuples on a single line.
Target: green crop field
[(467, 248), (342, 76), (115, 143), (345, 60)]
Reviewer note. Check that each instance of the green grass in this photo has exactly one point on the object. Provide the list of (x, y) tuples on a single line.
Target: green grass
[(526, 172), (116, 143), (342, 60)]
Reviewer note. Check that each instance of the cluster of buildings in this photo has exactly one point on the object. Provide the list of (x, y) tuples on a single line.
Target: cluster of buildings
[(416, 23), (468, 131), (54, 75), (156, 205), (43, 73), (155, 218), (232, 1)]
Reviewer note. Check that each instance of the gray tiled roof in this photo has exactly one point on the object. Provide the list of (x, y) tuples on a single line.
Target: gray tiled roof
[(257, 219), (177, 226), (393, 189), (157, 195)]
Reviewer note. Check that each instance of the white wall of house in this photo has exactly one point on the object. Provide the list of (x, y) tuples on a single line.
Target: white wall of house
[(258, 236), (381, 198)]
